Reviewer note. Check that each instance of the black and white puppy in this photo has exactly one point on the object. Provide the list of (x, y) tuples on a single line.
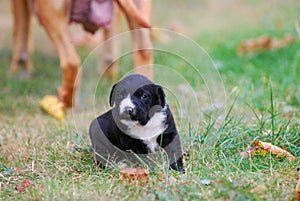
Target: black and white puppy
[(140, 122)]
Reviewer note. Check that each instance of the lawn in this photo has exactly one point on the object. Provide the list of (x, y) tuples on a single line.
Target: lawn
[(222, 103)]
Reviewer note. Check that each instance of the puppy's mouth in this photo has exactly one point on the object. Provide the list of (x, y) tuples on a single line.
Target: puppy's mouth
[(142, 121), (137, 115), (134, 115), (130, 111)]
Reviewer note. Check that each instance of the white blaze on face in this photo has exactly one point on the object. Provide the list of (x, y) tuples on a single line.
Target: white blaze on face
[(126, 102)]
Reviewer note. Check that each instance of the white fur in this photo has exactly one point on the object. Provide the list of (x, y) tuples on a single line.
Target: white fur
[(126, 102), (148, 133)]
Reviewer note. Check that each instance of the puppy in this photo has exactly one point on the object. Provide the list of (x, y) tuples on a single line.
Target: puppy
[(139, 123)]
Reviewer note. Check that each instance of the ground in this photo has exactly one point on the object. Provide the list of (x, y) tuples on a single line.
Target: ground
[(235, 101)]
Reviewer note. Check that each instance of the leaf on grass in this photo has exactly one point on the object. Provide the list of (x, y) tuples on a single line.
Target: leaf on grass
[(52, 105), (25, 185), (134, 174), (264, 42), (263, 148)]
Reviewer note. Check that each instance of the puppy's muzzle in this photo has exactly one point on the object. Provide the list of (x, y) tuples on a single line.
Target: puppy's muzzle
[(130, 110)]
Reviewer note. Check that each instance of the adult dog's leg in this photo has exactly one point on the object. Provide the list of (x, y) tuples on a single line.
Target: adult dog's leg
[(142, 46), (21, 36), (54, 16), (111, 52)]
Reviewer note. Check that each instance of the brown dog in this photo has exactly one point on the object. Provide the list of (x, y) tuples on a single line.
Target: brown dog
[(55, 15)]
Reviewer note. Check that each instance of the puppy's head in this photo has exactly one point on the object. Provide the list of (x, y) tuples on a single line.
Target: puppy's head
[(137, 99)]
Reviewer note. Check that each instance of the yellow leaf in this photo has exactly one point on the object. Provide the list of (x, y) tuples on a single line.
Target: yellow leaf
[(53, 106)]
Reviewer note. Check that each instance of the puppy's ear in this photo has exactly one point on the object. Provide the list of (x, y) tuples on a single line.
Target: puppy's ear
[(161, 97), (112, 96)]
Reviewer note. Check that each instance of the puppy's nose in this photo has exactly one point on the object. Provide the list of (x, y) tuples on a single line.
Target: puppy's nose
[(130, 110)]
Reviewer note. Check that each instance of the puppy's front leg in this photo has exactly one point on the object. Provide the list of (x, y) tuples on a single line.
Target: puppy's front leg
[(170, 142)]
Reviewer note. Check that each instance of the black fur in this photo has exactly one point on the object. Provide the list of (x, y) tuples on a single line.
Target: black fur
[(148, 99)]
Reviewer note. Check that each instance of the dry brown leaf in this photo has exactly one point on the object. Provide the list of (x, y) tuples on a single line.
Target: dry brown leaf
[(277, 43), (252, 45), (264, 42), (134, 174), (52, 105), (262, 148)]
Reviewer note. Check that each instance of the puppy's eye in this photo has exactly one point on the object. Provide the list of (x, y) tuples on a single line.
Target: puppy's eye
[(144, 97)]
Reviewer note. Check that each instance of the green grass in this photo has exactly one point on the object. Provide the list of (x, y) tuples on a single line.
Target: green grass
[(259, 87)]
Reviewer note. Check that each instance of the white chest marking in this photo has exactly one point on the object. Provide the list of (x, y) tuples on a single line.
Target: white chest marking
[(148, 133), (152, 144)]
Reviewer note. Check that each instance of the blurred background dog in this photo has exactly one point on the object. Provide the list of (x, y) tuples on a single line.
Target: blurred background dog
[(56, 15)]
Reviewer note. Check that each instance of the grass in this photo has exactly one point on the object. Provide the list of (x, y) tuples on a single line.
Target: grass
[(259, 87)]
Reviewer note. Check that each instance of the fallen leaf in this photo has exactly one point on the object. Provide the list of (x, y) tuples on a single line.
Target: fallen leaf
[(24, 185), (263, 148), (53, 106), (134, 174), (264, 42), (277, 43)]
